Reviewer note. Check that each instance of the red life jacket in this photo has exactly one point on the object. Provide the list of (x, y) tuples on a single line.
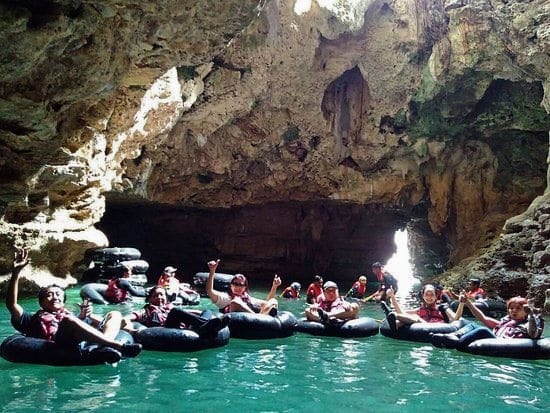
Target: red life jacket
[(153, 316), (45, 324), (314, 291), (246, 299), (508, 328), (430, 314), (290, 292), (114, 293), (477, 292), (330, 305), (359, 289)]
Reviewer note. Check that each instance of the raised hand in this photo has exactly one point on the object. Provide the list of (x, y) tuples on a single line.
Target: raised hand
[(213, 265), (20, 260)]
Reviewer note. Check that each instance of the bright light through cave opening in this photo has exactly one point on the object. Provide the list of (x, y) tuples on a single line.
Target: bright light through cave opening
[(400, 264)]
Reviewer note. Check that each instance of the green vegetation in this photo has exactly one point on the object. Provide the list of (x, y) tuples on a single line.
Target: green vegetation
[(291, 134), (187, 72)]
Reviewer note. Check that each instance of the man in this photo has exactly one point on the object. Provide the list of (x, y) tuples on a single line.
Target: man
[(330, 307), (54, 322), (385, 281), (475, 292)]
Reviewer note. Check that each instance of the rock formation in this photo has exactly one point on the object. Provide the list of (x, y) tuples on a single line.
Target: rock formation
[(296, 115)]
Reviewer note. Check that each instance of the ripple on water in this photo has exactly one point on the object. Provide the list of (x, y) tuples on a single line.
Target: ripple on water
[(296, 374)]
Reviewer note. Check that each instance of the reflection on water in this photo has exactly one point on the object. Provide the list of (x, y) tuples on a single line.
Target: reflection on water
[(421, 359)]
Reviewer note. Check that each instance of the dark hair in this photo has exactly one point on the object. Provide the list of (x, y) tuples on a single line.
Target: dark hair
[(151, 291), (43, 292), (318, 278), (121, 270), (242, 279)]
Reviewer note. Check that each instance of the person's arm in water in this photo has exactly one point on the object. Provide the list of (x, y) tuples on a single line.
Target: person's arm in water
[(212, 267), (125, 285), (352, 291), (20, 260)]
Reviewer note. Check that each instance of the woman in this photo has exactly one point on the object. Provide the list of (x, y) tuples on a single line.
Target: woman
[(158, 312), (119, 288), (428, 312), (314, 290), (521, 322), (237, 299), (169, 282)]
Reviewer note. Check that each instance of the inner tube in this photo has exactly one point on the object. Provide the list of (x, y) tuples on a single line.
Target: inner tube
[(177, 339), (420, 332), (112, 255), (261, 326), (221, 281), (360, 327), (488, 306), (520, 348), (137, 280), (137, 267), (94, 292), (18, 348), (187, 298)]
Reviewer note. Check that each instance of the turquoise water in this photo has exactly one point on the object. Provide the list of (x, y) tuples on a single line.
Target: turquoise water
[(297, 374)]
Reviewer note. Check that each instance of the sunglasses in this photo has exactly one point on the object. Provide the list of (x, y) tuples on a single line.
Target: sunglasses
[(239, 284)]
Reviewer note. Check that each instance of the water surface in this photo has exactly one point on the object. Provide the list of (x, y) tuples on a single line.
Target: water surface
[(296, 374)]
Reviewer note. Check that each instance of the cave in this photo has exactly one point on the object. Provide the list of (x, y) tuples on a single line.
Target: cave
[(277, 140), (296, 240)]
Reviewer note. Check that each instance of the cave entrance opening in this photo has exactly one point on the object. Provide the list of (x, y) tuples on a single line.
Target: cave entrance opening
[(296, 240), (400, 264)]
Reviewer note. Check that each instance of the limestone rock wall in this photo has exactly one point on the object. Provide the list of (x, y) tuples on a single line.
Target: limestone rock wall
[(84, 85), (429, 107)]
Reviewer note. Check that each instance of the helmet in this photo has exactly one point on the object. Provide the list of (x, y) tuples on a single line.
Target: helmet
[(295, 286)]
